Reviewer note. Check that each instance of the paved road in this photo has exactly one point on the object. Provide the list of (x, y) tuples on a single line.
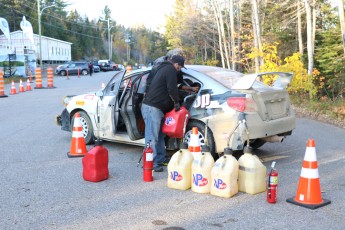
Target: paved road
[(41, 188)]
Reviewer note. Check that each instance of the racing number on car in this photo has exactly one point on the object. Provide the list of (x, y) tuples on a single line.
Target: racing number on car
[(202, 101)]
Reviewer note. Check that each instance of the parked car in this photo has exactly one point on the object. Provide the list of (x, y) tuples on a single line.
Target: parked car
[(120, 67), (107, 65), (235, 109), (96, 68), (72, 68)]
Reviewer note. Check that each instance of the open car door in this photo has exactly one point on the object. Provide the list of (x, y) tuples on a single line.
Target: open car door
[(108, 107)]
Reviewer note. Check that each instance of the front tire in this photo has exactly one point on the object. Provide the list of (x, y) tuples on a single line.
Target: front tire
[(201, 128), (87, 127)]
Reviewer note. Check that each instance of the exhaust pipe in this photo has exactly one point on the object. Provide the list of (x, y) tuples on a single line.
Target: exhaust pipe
[(274, 138)]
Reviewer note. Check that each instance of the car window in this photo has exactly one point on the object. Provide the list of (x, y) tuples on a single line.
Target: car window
[(71, 65), (142, 84)]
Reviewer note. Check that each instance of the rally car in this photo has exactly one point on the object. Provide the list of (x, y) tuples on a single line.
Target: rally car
[(230, 110)]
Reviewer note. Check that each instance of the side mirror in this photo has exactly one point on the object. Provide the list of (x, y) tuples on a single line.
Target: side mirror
[(100, 94)]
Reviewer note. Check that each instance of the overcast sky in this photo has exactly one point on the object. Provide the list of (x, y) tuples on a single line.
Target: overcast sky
[(151, 13)]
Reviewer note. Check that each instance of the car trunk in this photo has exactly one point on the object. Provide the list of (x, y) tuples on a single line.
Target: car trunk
[(272, 104)]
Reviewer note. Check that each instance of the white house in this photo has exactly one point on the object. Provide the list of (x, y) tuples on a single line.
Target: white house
[(53, 50)]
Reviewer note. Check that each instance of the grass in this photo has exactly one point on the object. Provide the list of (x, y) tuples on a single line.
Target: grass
[(333, 109)]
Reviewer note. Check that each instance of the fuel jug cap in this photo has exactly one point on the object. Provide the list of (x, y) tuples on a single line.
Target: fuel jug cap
[(205, 148), (98, 142), (183, 145), (248, 149), (228, 151)]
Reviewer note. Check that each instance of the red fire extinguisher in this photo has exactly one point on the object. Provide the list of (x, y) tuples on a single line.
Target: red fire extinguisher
[(148, 163), (272, 184)]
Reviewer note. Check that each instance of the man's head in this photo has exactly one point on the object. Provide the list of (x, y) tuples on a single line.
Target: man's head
[(178, 62), (176, 51)]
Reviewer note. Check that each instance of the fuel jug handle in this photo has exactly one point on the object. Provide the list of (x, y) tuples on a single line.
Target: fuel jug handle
[(185, 124), (201, 159)]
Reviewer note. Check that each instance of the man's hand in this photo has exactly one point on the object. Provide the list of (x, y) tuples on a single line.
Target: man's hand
[(177, 107), (195, 89)]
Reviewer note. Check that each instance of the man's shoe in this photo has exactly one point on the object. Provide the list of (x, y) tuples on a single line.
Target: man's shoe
[(165, 162), (158, 169)]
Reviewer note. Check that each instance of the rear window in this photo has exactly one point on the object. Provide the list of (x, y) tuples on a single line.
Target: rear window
[(225, 77)]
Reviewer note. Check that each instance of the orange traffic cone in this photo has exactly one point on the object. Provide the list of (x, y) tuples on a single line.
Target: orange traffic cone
[(50, 78), (13, 89), (2, 84), (194, 143), (78, 146), (21, 86), (28, 86), (309, 191), (103, 86)]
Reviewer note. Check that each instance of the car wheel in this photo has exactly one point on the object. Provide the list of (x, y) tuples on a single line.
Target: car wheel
[(256, 143), (63, 73), (201, 128), (87, 127), (84, 72)]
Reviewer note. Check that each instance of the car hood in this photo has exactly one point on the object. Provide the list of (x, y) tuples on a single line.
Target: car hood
[(247, 81)]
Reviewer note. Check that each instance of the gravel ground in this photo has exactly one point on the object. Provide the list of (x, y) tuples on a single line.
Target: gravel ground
[(302, 112)]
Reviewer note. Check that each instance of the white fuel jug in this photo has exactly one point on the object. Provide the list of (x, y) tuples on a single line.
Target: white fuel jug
[(252, 173), (180, 169), (224, 175), (201, 171)]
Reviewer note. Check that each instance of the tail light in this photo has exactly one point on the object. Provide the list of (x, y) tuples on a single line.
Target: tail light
[(242, 104)]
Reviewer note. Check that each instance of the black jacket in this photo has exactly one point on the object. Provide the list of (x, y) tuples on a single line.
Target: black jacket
[(163, 92)]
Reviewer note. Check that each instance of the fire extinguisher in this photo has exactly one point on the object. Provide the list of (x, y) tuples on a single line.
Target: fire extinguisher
[(272, 184), (148, 163)]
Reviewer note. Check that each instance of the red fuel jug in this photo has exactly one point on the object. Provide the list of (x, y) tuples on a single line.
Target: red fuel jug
[(95, 164), (175, 122)]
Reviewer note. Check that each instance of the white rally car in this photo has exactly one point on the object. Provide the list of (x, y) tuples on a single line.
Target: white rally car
[(230, 109)]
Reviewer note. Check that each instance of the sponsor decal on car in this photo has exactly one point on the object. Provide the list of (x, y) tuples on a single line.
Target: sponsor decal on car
[(175, 176), (199, 180), (202, 101), (169, 121), (219, 184), (80, 103), (89, 97)]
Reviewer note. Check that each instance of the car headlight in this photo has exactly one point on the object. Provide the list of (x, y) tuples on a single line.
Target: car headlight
[(66, 100)]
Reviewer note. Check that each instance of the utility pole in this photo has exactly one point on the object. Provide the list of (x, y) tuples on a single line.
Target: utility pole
[(109, 28), (128, 41), (39, 11)]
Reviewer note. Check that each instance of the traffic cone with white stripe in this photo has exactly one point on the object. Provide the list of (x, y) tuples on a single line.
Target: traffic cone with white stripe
[(78, 146), (309, 191), (194, 145), (21, 86), (13, 89), (28, 86)]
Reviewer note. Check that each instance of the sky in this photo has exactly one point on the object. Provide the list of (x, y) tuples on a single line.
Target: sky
[(129, 13)]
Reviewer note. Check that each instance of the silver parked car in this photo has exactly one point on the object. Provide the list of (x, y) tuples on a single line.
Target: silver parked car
[(73, 68), (230, 109)]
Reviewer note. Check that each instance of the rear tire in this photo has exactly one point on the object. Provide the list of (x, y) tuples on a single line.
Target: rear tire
[(87, 127), (63, 73), (201, 128)]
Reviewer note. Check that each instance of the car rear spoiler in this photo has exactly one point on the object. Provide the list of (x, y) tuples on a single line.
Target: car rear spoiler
[(247, 81)]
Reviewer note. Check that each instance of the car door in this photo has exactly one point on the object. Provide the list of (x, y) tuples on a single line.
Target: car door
[(108, 107)]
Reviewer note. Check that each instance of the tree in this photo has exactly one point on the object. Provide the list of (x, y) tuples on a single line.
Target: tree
[(309, 36), (342, 21)]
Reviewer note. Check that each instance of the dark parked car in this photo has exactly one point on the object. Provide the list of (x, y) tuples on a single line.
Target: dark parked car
[(72, 68), (107, 65)]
